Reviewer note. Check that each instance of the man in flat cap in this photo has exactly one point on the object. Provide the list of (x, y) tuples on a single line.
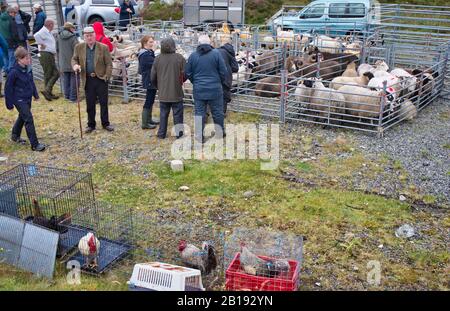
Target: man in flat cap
[(93, 61)]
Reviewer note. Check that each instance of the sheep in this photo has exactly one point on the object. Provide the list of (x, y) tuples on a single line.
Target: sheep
[(380, 66), (363, 68), (338, 82), (327, 69), (293, 63), (327, 44), (343, 58), (407, 81), (327, 101), (285, 36), (362, 102), (268, 42), (303, 92), (425, 84), (353, 48), (268, 87), (407, 111), (265, 62), (350, 71)]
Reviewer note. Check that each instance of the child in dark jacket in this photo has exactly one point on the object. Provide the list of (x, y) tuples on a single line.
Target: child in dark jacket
[(19, 90), (146, 59)]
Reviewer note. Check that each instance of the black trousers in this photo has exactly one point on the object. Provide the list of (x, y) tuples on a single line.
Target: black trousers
[(25, 118), (164, 111), (97, 89)]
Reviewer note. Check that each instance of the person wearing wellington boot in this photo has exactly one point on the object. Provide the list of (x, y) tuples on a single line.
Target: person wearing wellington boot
[(19, 91), (146, 58)]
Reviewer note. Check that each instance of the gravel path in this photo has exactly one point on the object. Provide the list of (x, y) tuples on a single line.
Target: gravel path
[(422, 147)]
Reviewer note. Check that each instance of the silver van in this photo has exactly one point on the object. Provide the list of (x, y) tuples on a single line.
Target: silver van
[(90, 11)]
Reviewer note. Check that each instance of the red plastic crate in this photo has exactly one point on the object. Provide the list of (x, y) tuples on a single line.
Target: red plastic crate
[(237, 279)]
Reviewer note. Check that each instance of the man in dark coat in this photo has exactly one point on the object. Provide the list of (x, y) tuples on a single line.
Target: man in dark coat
[(8, 28), (67, 40), (39, 19), (168, 76), (207, 71), (229, 57), (126, 12)]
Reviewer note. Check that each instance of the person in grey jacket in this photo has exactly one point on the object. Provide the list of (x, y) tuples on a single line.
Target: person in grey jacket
[(168, 76), (229, 56), (207, 72), (67, 40)]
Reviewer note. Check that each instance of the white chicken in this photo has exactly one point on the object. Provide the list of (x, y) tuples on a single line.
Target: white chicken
[(89, 247)]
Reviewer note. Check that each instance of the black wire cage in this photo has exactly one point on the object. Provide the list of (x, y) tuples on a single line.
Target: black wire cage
[(29, 191), (112, 228)]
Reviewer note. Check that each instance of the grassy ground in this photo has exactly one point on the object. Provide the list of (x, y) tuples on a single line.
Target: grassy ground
[(344, 227)]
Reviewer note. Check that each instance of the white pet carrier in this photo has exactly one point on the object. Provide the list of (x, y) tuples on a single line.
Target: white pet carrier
[(159, 276)]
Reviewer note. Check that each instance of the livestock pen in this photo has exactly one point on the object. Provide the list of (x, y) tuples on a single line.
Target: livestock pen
[(265, 86)]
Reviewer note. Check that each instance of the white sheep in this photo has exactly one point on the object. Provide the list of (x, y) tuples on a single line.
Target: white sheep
[(338, 82), (408, 82), (327, 44), (363, 68), (328, 101), (303, 92), (350, 71), (362, 102), (407, 111)]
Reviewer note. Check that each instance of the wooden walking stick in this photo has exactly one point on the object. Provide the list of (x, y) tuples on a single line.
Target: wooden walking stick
[(78, 103)]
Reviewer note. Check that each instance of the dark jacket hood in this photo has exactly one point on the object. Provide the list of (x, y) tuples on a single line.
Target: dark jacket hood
[(229, 48), (168, 46), (204, 48), (66, 34)]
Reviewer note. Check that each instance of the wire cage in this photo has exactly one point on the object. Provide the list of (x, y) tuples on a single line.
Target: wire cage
[(34, 192), (262, 260), (112, 230), (168, 240)]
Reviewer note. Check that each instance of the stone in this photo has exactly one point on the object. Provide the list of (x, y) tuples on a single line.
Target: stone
[(248, 194), (3, 159), (405, 231), (183, 188), (177, 165), (402, 198)]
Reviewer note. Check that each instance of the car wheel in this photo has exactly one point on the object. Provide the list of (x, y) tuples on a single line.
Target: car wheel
[(94, 19)]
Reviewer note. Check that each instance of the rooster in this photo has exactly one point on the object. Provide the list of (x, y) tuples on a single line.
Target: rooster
[(203, 259), (89, 247), (54, 223), (254, 265)]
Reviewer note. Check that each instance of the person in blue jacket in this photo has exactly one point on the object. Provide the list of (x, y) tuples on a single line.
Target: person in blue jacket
[(39, 19), (19, 90), (146, 58), (207, 72), (126, 12), (3, 59)]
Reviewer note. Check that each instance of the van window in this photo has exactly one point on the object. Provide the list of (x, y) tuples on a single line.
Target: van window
[(347, 10), (315, 11)]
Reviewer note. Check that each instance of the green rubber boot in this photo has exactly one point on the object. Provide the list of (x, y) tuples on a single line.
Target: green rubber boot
[(145, 120)]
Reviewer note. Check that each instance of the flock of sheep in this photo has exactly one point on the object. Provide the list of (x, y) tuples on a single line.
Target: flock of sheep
[(328, 80)]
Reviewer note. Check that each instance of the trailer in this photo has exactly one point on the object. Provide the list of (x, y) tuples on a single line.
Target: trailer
[(51, 8), (196, 12)]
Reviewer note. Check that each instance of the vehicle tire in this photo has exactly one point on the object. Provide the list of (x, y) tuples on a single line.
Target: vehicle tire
[(95, 18)]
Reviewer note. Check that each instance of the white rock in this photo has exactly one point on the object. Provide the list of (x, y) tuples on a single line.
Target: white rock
[(177, 165), (183, 188), (380, 246), (402, 198), (3, 159), (318, 284), (248, 194), (405, 231)]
